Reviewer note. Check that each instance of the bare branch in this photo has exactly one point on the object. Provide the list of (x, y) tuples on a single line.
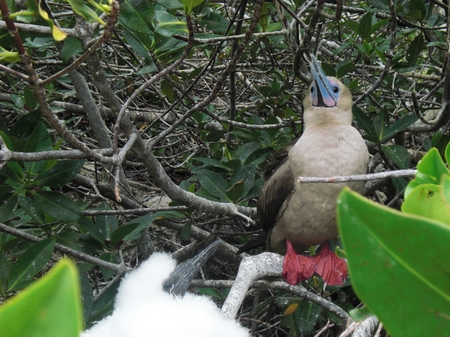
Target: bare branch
[(358, 177)]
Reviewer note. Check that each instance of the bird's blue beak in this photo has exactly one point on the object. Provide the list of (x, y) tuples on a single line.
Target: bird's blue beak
[(324, 92), (180, 279)]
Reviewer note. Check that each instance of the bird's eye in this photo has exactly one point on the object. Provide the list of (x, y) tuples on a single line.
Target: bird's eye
[(335, 89), (168, 286), (312, 89)]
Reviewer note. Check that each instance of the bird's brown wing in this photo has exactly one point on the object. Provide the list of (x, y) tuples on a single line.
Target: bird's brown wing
[(277, 188)]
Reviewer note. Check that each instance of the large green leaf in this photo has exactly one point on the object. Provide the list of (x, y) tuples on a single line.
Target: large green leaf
[(50, 307), (57, 205), (39, 140), (397, 154), (429, 200), (60, 174), (398, 265), (214, 184), (431, 169), (133, 229), (107, 224), (30, 263), (30, 207), (85, 11)]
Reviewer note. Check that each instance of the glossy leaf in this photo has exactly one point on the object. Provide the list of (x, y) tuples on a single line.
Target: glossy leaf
[(30, 207), (429, 201), (30, 263), (398, 265), (214, 184), (105, 223), (397, 154), (9, 56), (134, 228), (430, 171), (38, 141), (61, 174), (85, 11), (96, 231), (169, 25), (49, 307), (365, 123), (57, 205)]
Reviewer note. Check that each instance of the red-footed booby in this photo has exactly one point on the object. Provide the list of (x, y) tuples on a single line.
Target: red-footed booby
[(152, 301), (297, 216)]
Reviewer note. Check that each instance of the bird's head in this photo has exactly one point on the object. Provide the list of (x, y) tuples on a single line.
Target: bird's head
[(328, 99), (159, 277), (179, 280)]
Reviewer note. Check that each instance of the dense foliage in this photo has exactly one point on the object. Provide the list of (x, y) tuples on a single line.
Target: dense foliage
[(145, 125)]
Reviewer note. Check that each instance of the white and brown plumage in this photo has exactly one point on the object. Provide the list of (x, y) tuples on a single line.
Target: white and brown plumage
[(304, 214)]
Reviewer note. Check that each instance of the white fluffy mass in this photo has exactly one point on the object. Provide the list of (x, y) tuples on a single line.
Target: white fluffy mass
[(142, 308)]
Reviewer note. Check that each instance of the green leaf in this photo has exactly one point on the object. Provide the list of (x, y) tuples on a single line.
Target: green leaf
[(398, 265), (343, 68), (377, 25), (264, 16), (190, 4), (30, 263), (46, 14), (57, 205), (25, 126), (418, 5), (30, 101), (70, 48), (397, 154), (38, 141), (365, 25), (364, 122), (328, 69), (121, 232), (87, 296), (447, 153), (169, 25), (106, 224), (415, 48), (61, 174), (142, 223), (85, 11), (94, 230), (30, 207), (414, 15), (167, 90), (360, 314), (380, 4), (431, 169), (403, 67), (397, 126), (307, 316), (49, 307), (214, 184), (429, 201)]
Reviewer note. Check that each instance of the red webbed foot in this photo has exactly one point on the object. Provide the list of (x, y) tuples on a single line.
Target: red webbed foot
[(332, 268), (296, 268)]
